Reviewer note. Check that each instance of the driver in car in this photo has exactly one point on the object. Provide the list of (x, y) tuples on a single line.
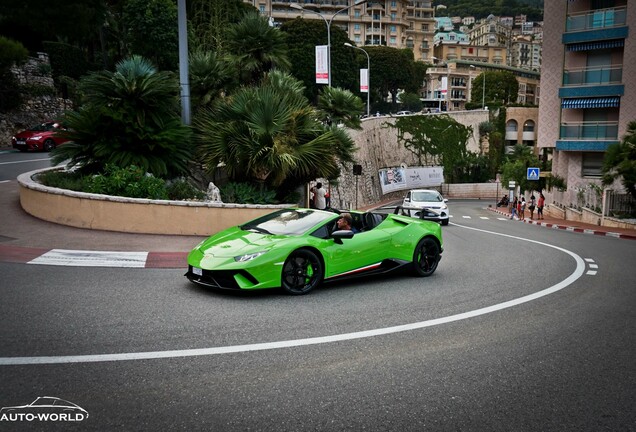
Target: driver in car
[(345, 222)]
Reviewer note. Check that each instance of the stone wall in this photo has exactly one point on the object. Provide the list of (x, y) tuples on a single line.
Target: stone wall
[(34, 109), (378, 148)]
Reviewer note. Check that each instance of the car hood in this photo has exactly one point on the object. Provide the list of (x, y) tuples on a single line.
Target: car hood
[(234, 241), (28, 134)]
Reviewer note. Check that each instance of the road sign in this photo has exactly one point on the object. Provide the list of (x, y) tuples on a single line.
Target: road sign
[(512, 184), (534, 173)]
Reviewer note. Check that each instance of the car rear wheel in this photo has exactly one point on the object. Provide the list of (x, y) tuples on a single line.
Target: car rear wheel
[(425, 257), (49, 145), (302, 272)]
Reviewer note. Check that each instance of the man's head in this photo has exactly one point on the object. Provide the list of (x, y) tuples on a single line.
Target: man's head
[(345, 221), (318, 185)]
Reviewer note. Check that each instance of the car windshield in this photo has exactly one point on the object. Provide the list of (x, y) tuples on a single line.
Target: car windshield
[(427, 196), (42, 127), (288, 221)]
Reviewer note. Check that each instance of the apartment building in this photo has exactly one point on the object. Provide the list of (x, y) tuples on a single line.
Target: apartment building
[(394, 23), (588, 97)]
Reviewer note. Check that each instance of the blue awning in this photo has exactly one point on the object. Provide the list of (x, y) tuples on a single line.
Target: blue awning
[(588, 46), (582, 103)]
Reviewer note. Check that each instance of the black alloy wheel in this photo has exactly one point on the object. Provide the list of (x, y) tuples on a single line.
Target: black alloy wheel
[(302, 272), (426, 257)]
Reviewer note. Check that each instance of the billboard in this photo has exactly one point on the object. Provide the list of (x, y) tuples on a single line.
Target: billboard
[(400, 178), (322, 64)]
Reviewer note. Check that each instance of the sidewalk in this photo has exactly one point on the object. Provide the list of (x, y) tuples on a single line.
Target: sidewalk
[(568, 225)]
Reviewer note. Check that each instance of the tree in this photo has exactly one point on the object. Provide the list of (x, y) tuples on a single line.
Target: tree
[(151, 31), (436, 140), (410, 101), (256, 48), (516, 168), (210, 76), (11, 52), (270, 134), (620, 161), (209, 21), (391, 70), (302, 37), (129, 117), (337, 106), (502, 88)]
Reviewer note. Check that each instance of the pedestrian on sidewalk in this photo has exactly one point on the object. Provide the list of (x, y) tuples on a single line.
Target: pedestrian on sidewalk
[(521, 208), (532, 205), (540, 205), (513, 210)]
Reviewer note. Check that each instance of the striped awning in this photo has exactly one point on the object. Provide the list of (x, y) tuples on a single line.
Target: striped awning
[(588, 46), (581, 103)]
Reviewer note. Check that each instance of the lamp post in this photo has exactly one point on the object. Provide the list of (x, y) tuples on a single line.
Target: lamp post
[(447, 86), (299, 7), (368, 75)]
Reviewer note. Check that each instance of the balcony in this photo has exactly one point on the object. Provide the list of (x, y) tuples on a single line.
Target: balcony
[(589, 131), (597, 19), (593, 76)]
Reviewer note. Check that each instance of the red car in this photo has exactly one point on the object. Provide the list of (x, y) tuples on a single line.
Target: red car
[(39, 137)]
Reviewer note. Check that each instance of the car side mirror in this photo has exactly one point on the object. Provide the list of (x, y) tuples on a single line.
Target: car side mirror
[(407, 199), (445, 200), (339, 235)]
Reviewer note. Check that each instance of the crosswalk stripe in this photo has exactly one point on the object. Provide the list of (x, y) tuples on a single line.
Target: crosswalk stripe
[(78, 258)]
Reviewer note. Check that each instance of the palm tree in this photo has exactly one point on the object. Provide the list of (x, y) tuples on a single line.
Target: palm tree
[(210, 77), (339, 106), (256, 48), (129, 117), (271, 134), (620, 161)]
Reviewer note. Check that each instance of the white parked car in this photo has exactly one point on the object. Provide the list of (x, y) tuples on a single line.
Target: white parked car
[(428, 199), (403, 113)]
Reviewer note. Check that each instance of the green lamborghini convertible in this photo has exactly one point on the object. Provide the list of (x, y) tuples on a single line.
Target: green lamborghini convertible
[(297, 249)]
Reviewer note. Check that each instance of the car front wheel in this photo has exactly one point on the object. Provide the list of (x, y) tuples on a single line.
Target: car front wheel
[(49, 145), (302, 272), (425, 257)]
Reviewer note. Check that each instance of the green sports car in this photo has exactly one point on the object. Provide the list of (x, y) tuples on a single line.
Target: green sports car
[(297, 249)]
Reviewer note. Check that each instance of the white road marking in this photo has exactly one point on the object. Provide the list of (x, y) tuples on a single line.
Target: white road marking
[(593, 266), (5, 181), (591, 272), (466, 217), (62, 257), (484, 217), (589, 260), (91, 358), (25, 161), (501, 218)]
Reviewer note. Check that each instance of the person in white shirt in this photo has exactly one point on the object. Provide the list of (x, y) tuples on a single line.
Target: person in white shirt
[(319, 197)]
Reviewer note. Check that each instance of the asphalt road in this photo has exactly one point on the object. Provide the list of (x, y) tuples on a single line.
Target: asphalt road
[(14, 163), (520, 329)]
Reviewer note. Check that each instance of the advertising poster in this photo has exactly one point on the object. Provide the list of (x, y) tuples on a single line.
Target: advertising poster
[(322, 65), (395, 179)]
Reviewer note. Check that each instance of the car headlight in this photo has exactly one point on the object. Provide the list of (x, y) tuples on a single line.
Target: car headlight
[(35, 138), (248, 257), (444, 207)]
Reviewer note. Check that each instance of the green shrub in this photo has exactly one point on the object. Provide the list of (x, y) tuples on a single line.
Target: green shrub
[(11, 52), (130, 182), (181, 189), (66, 60), (247, 193), (64, 180), (10, 97)]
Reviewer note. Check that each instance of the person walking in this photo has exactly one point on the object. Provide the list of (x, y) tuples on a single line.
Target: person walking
[(513, 210), (522, 209), (532, 205), (540, 205)]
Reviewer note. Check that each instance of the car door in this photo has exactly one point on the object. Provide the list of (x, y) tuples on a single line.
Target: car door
[(363, 251)]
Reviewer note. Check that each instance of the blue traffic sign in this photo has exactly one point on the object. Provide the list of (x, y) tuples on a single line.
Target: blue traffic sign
[(533, 173)]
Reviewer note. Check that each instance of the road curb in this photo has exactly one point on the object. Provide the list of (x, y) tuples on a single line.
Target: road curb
[(571, 228)]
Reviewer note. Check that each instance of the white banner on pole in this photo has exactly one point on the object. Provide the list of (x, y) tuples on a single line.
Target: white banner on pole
[(322, 65), (444, 85), (364, 80)]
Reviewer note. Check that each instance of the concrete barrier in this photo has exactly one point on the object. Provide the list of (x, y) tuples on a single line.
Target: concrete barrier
[(134, 215)]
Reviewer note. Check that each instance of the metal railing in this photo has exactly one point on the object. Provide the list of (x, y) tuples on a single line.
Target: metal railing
[(597, 19), (589, 130), (618, 204)]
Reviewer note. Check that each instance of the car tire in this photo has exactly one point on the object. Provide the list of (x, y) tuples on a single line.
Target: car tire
[(49, 145), (426, 257), (445, 222), (302, 272)]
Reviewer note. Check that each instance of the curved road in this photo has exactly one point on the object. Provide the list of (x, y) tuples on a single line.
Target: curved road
[(561, 361)]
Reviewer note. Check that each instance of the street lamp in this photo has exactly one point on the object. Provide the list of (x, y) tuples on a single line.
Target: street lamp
[(299, 7), (368, 75)]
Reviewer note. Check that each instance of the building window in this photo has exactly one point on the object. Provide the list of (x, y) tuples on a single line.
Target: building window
[(528, 126), (357, 13), (356, 27), (592, 165), (261, 8), (393, 40), (393, 29)]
